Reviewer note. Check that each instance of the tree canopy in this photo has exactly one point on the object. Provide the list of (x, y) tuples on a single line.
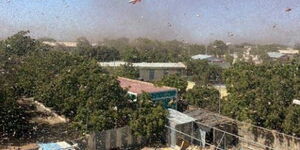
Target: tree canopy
[(202, 72), (13, 119), (217, 48), (174, 80), (21, 44), (71, 84), (203, 97), (127, 71), (263, 94), (149, 119)]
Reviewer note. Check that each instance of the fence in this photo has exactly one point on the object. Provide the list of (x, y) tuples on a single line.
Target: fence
[(114, 138)]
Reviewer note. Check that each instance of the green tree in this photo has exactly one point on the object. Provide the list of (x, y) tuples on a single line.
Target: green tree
[(203, 97), (261, 94), (292, 121), (13, 118), (89, 96), (202, 72), (149, 119), (83, 44), (40, 68), (100, 53), (174, 80), (297, 46), (217, 48), (127, 71), (103, 53), (229, 58), (132, 55), (21, 44)]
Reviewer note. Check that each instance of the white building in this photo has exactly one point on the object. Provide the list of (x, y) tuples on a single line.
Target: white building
[(151, 71)]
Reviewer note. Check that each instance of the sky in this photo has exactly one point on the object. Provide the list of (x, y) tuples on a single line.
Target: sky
[(196, 21)]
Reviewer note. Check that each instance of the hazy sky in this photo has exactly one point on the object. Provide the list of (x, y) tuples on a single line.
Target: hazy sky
[(260, 21)]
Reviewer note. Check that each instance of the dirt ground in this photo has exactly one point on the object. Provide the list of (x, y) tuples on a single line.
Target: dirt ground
[(45, 127)]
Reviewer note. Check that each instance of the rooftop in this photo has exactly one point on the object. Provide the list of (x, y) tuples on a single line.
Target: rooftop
[(209, 58), (67, 44), (143, 64), (178, 117), (202, 56), (208, 118), (289, 51), (275, 54), (138, 87)]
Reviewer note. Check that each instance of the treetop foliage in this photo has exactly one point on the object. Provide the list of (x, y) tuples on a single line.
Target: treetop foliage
[(174, 80), (70, 84), (263, 94)]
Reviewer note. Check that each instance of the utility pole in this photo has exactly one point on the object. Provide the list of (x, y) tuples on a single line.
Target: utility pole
[(219, 100)]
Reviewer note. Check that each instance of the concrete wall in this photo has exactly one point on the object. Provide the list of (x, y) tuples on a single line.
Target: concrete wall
[(159, 73)]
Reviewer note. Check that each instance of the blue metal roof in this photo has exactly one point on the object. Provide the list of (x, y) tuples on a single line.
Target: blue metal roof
[(55, 146), (49, 146)]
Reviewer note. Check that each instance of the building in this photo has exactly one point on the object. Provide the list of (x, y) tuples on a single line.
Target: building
[(66, 44), (202, 57), (278, 56), (151, 71), (212, 60), (289, 52), (165, 95)]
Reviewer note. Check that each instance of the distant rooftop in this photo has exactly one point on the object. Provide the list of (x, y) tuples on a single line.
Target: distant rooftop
[(143, 64), (210, 58), (138, 87), (202, 56), (275, 54), (67, 44), (289, 51)]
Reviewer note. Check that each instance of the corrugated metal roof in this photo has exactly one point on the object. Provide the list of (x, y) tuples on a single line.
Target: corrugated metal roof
[(275, 54), (144, 64), (206, 117), (138, 87), (178, 117), (202, 56)]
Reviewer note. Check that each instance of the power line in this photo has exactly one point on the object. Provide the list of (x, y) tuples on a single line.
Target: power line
[(244, 123), (237, 136), (192, 137)]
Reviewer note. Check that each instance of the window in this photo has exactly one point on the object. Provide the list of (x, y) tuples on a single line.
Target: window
[(151, 74)]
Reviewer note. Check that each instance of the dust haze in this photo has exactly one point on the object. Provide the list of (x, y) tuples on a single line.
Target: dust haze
[(154, 19)]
